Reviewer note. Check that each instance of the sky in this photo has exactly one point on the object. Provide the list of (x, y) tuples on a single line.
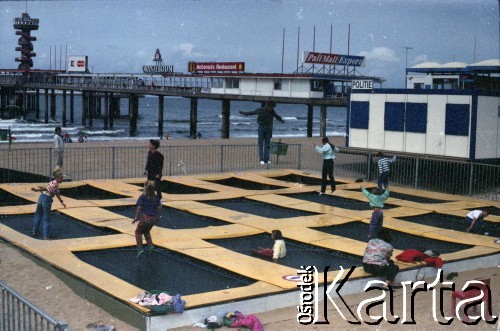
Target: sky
[(120, 36)]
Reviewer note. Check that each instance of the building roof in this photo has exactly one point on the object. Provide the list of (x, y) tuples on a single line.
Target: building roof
[(491, 66)]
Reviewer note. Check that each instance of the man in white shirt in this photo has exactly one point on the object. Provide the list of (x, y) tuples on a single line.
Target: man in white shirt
[(59, 146)]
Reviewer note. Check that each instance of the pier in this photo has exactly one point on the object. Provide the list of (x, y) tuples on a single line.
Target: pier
[(34, 92)]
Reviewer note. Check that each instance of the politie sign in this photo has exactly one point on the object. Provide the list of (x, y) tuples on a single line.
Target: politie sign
[(333, 59), (77, 63), (362, 84)]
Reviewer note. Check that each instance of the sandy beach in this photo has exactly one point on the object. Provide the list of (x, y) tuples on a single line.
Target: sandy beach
[(47, 291)]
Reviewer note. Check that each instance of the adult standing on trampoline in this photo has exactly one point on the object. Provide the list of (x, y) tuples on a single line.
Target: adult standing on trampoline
[(265, 117), (44, 204), (147, 215), (377, 258), (154, 165), (328, 151), (58, 146), (384, 171)]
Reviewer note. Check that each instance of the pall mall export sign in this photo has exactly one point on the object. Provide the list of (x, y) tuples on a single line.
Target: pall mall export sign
[(216, 66), (333, 59), (158, 68)]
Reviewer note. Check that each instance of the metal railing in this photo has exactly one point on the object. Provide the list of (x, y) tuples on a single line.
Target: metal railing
[(414, 171), (17, 313)]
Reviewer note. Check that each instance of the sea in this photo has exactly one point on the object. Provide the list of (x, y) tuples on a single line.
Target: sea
[(175, 121)]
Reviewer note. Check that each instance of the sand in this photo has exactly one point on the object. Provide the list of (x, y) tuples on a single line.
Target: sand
[(51, 294)]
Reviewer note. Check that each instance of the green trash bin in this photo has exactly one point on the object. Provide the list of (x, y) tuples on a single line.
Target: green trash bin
[(278, 148), (4, 133)]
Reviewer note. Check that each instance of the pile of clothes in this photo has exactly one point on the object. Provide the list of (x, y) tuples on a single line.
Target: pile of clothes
[(160, 302), (430, 257), (234, 319)]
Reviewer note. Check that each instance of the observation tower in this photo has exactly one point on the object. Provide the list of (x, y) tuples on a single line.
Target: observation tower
[(24, 25)]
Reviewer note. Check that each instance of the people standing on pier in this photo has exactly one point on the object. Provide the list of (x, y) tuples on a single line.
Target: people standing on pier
[(384, 171), (59, 146), (475, 220), (376, 198), (265, 117), (154, 165), (147, 215), (328, 151), (44, 204)]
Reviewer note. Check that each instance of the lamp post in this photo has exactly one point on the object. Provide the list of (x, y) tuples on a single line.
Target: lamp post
[(406, 64)]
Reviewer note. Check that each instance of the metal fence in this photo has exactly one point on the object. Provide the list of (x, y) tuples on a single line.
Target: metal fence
[(18, 314), (419, 172)]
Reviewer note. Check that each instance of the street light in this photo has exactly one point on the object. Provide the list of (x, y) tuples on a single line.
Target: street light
[(406, 64)]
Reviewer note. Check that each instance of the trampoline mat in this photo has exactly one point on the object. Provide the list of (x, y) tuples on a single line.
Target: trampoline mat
[(403, 241), (163, 270), (452, 222), (173, 218), (176, 188), (298, 254), (88, 192), (9, 199), (245, 184), (335, 201), (305, 180), (258, 208), (61, 226), (409, 197)]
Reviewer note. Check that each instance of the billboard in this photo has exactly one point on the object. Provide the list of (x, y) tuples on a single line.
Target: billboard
[(77, 63), (216, 66), (333, 59)]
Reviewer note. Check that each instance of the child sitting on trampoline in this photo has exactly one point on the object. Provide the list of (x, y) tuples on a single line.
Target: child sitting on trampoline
[(44, 204), (149, 209), (376, 198), (279, 248), (377, 258)]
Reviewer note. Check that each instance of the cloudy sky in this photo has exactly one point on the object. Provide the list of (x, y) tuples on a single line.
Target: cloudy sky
[(122, 35)]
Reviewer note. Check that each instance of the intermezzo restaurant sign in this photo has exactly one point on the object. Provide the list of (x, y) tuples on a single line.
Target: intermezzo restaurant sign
[(158, 68), (333, 59), (380, 308)]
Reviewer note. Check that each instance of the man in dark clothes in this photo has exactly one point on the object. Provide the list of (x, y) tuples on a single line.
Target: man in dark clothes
[(265, 121), (154, 165)]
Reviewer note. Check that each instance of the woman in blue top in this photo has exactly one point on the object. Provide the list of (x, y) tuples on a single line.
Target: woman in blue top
[(149, 209), (328, 151)]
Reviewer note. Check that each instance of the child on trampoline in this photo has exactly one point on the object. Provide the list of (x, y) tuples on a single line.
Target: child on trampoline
[(279, 248), (376, 198), (475, 222), (44, 204), (148, 208), (377, 258)]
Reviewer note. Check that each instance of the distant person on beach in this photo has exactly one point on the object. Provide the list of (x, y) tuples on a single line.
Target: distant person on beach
[(279, 248), (59, 146), (376, 198), (147, 215), (265, 131), (154, 165), (384, 171), (328, 151), (44, 204), (377, 258), (198, 136), (475, 220), (67, 138)]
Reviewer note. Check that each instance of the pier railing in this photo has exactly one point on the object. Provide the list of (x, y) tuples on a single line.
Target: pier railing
[(17, 313), (85, 162)]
